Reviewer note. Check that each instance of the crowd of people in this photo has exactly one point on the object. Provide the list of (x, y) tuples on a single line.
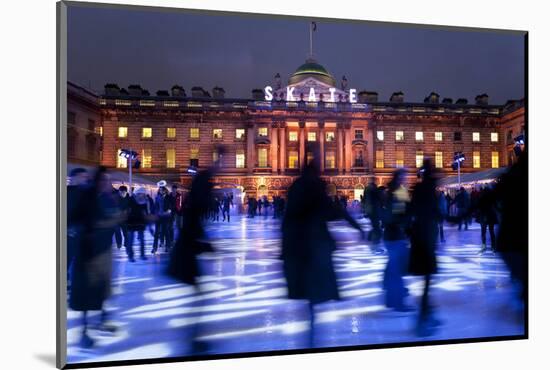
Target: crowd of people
[(406, 224)]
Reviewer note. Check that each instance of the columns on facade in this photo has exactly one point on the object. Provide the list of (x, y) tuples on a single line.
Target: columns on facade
[(321, 125), (250, 148), (347, 147), (370, 148), (274, 147), (302, 138), (282, 147), (340, 147)]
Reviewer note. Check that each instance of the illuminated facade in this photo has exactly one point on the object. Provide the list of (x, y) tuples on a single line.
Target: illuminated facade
[(266, 136)]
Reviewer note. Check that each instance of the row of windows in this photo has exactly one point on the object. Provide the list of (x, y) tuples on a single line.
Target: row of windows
[(438, 159), (217, 134), (438, 136), (293, 161)]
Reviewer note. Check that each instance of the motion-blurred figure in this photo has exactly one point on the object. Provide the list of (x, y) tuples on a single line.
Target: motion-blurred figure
[(138, 218), (373, 205), (124, 204), (443, 212), (425, 214), (75, 213), (307, 245), (227, 202), (91, 277), (462, 202), (486, 215), (396, 242), (163, 211), (183, 264), (512, 192)]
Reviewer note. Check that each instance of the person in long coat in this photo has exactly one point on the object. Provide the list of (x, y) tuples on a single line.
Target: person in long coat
[(396, 242), (424, 214), (486, 215), (183, 264), (307, 245), (91, 274), (512, 240)]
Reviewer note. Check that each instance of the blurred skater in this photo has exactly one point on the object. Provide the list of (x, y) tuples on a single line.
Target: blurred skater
[(307, 245), (486, 215), (512, 192), (425, 214), (75, 213), (396, 242), (183, 264), (91, 277)]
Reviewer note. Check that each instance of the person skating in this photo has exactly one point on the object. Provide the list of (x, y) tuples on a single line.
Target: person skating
[(307, 245), (425, 214)]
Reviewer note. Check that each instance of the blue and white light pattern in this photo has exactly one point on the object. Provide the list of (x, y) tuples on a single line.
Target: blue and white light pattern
[(242, 305)]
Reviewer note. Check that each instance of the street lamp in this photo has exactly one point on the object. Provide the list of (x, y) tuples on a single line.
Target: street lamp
[(130, 156), (458, 158), (519, 142)]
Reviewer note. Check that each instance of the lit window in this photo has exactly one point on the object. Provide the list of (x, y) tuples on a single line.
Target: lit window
[(380, 135), (476, 160), (194, 157), (123, 132), (379, 159), (194, 132), (215, 156), (292, 136), (399, 159), (262, 131), (419, 158), (439, 136), (494, 137), (239, 133), (146, 158), (171, 132), (262, 157), (170, 158), (239, 159), (475, 136), (359, 134), (99, 130), (330, 160), (311, 136), (438, 159), (399, 136), (217, 133), (292, 159), (121, 162), (494, 160), (329, 136), (146, 132), (419, 136)]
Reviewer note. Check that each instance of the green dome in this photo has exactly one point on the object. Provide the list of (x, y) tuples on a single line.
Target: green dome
[(312, 69)]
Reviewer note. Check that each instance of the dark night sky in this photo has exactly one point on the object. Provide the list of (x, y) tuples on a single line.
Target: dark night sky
[(239, 53)]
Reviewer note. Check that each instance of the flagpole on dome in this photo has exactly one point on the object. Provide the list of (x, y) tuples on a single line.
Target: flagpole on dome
[(312, 28)]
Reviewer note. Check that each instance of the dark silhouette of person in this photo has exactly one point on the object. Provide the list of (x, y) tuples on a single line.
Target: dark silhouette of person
[(307, 245), (75, 213), (396, 242), (183, 263), (512, 241), (373, 205), (424, 214), (486, 215), (91, 275)]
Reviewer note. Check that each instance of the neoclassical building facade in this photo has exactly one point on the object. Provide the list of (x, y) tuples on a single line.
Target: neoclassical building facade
[(266, 136)]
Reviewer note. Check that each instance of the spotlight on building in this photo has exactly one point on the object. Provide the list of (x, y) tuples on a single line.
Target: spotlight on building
[(192, 170), (457, 160)]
